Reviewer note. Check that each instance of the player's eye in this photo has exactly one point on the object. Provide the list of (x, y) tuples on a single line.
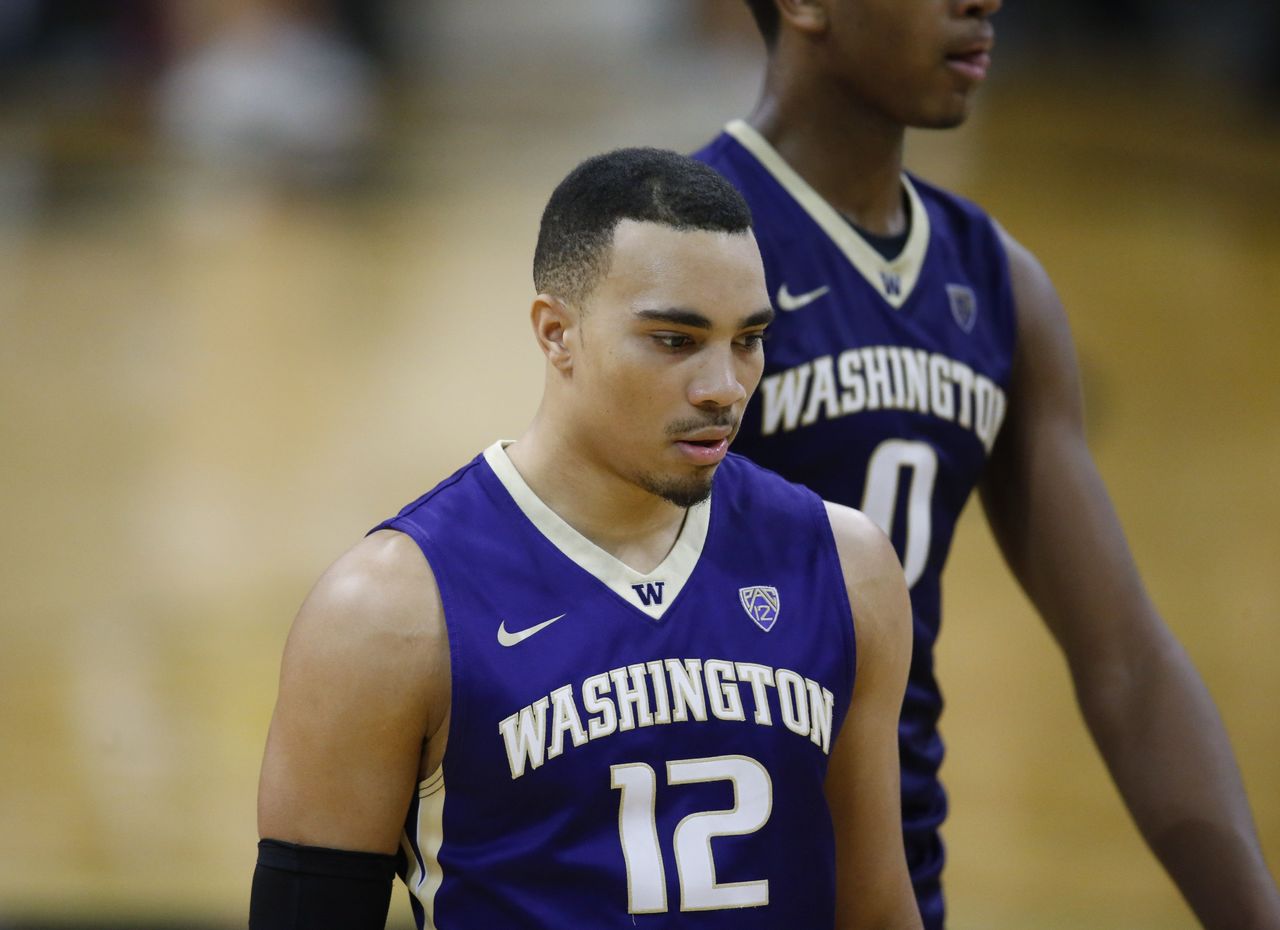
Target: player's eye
[(755, 340), (673, 340)]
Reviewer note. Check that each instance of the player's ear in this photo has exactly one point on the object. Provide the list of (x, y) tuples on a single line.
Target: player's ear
[(807, 16), (553, 323)]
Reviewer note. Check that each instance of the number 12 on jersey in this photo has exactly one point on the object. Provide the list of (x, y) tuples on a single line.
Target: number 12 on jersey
[(691, 840)]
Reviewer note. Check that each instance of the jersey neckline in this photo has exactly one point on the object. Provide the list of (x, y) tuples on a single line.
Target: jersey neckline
[(894, 280), (671, 575)]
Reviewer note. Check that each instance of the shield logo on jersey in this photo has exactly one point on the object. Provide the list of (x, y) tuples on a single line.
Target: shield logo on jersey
[(762, 605), (964, 306)]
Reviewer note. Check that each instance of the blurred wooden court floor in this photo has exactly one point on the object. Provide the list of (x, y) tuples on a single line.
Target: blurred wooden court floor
[(207, 396)]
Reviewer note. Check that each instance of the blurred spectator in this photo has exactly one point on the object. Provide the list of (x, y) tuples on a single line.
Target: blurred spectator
[(274, 90), (285, 90)]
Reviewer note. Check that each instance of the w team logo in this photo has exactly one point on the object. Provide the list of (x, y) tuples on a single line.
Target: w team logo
[(964, 306), (892, 283), (650, 593), (762, 605)]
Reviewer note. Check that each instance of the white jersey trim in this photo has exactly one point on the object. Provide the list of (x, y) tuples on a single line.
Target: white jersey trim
[(426, 840), (671, 575), (893, 280)]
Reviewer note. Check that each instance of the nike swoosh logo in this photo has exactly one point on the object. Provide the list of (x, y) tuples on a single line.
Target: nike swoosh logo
[(506, 638), (788, 302)]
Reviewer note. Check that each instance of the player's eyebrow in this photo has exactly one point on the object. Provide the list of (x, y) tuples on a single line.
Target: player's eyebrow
[(676, 315), (695, 320)]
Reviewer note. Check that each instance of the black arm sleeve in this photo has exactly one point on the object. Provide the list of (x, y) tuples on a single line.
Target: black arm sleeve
[(311, 888)]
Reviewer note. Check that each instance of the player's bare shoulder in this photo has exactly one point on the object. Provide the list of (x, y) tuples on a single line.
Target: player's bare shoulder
[(1037, 302), (375, 612), (865, 552), (873, 577), (380, 587)]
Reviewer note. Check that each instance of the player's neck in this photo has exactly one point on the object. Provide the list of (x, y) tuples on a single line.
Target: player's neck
[(633, 525), (846, 151)]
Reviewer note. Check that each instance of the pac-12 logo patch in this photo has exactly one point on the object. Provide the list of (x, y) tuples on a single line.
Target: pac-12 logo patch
[(762, 605), (964, 306)]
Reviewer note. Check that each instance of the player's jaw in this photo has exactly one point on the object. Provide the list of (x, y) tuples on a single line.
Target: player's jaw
[(695, 447)]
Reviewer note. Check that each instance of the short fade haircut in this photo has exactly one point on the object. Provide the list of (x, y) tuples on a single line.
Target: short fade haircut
[(648, 185), (766, 16)]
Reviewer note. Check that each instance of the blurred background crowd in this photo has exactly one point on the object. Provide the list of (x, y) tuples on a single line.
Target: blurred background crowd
[(263, 277), (306, 92)]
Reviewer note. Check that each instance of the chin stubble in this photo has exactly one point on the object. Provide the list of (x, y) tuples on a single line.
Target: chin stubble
[(683, 493)]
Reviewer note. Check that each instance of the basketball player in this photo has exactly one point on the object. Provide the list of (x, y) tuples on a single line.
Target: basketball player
[(603, 676), (920, 352)]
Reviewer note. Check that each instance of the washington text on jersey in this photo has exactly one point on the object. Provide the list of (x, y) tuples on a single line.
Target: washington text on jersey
[(683, 691)]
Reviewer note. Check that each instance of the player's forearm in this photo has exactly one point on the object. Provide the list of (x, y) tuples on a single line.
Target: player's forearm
[(1166, 748)]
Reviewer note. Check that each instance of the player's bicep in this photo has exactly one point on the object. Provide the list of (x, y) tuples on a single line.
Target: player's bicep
[(1042, 442), (1042, 494), (1046, 372), (1046, 406), (863, 788), (359, 693), (878, 595)]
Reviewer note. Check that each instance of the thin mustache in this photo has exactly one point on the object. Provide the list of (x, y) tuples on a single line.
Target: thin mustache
[(681, 427)]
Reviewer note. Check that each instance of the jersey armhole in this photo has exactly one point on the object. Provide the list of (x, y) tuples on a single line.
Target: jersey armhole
[(426, 544), (822, 525), (1005, 285)]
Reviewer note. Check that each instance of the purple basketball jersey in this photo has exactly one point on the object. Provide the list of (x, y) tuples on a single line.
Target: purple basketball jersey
[(626, 749)]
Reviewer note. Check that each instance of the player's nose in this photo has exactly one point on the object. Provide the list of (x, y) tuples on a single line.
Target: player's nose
[(719, 383)]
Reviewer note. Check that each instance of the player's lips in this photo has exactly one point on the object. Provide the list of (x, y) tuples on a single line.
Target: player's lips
[(972, 59), (709, 452), (706, 446), (708, 434)]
